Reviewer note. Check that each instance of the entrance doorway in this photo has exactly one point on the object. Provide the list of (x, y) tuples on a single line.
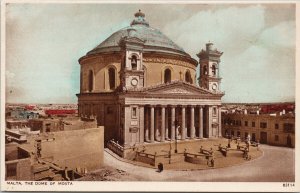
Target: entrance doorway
[(263, 137), (253, 138), (232, 133)]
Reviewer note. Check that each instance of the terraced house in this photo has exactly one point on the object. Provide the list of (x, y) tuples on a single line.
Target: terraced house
[(264, 128)]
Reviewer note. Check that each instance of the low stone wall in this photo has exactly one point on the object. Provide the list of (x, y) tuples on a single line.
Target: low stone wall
[(11, 151), (196, 158), (19, 170), (235, 153), (116, 148), (145, 158)]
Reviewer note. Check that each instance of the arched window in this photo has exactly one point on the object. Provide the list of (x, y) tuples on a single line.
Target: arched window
[(188, 77), (167, 76), (214, 69), (205, 70), (91, 81), (112, 78), (133, 63)]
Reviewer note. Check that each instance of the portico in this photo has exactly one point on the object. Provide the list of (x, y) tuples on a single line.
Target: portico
[(166, 112), (163, 123)]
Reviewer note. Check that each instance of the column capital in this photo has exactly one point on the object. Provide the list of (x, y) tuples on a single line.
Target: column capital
[(183, 106)]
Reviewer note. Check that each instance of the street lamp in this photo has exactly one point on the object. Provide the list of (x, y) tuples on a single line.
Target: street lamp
[(176, 123)]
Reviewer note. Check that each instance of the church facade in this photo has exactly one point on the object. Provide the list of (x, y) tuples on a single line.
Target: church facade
[(143, 89)]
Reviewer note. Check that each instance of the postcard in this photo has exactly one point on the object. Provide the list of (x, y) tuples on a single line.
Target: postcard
[(149, 96)]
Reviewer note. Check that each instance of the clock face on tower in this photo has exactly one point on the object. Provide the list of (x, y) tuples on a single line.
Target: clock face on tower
[(214, 86), (134, 82)]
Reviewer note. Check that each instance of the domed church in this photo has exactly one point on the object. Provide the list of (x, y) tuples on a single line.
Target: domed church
[(142, 87)]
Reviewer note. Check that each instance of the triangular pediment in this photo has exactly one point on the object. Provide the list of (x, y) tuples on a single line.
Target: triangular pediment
[(179, 88)]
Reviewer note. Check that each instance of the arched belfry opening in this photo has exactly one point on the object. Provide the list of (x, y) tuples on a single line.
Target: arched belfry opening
[(91, 81), (133, 63), (214, 69), (205, 70), (112, 78), (167, 76)]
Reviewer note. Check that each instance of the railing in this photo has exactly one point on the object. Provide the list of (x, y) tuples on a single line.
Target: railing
[(116, 148), (146, 158), (197, 158)]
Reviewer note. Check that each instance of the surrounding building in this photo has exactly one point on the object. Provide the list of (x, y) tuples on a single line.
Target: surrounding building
[(278, 129), (22, 113), (16, 130), (262, 108), (60, 112), (58, 156), (142, 88), (15, 124)]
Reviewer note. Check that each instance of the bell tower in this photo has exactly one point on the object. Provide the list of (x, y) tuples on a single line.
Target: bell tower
[(132, 72), (209, 61)]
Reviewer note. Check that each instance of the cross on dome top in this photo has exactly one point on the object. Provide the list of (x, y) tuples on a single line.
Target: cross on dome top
[(139, 14)]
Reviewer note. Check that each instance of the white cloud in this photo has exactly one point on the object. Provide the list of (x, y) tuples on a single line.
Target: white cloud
[(228, 28), (280, 35), (257, 63)]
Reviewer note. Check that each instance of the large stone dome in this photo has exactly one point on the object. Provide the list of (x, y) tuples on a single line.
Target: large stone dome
[(155, 41)]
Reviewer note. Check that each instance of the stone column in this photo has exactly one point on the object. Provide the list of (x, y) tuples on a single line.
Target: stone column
[(146, 124), (156, 125), (141, 111), (152, 125), (183, 131), (163, 121), (200, 122), (220, 123), (192, 122), (173, 123), (167, 123), (208, 122)]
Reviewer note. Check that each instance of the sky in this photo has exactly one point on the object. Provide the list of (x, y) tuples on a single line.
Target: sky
[(45, 41)]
